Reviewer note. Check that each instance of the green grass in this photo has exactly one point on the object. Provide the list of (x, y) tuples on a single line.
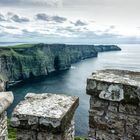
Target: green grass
[(19, 46), (80, 138), (11, 132)]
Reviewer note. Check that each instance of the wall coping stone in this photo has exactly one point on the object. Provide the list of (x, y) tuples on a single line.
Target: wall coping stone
[(6, 99), (48, 111), (125, 77), (115, 85)]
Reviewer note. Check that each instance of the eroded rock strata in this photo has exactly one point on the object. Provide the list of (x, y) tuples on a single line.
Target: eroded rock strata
[(28, 60)]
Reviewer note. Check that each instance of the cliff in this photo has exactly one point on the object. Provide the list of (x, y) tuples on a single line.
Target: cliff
[(30, 60)]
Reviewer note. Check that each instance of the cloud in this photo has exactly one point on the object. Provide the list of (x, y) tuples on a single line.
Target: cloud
[(79, 23), (67, 30), (45, 17), (58, 19), (42, 16), (2, 18), (18, 19), (60, 36), (8, 2), (109, 29), (112, 27), (8, 27), (29, 3)]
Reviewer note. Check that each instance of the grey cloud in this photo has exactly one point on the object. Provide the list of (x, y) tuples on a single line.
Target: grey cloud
[(30, 33), (8, 2), (11, 27), (82, 37), (58, 19), (112, 27), (2, 33), (99, 2), (18, 19), (8, 27), (42, 16), (89, 36), (79, 23), (85, 32), (30, 3), (2, 18), (45, 17), (68, 29)]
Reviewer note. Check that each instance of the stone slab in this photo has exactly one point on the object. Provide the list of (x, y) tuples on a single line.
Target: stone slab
[(44, 111), (6, 99), (115, 85)]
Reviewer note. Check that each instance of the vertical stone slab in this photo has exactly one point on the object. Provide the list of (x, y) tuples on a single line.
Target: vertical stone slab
[(45, 117), (2, 86), (6, 98), (114, 105)]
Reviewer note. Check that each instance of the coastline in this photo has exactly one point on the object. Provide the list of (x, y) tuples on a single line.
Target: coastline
[(24, 61)]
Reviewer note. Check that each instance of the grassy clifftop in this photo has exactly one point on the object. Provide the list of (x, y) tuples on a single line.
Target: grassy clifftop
[(19, 46)]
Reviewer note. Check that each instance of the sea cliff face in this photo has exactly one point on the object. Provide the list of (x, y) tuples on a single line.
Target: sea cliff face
[(26, 61)]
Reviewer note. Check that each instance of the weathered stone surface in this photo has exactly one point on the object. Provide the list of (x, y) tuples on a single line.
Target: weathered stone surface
[(45, 116), (114, 105), (115, 85), (6, 99), (2, 86), (3, 126)]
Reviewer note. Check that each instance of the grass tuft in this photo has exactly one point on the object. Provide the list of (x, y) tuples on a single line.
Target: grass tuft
[(11, 132)]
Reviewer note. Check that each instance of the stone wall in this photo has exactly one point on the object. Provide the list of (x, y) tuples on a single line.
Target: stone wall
[(3, 126), (6, 98), (114, 105), (45, 117)]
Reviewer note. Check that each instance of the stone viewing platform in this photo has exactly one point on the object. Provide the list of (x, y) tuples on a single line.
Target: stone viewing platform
[(45, 116), (114, 105), (6, 99)]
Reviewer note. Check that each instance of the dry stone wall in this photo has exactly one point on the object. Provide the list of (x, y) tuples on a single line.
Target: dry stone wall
[(114, 105)]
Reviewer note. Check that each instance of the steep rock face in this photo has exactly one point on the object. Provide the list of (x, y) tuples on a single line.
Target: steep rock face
[(22, 62)]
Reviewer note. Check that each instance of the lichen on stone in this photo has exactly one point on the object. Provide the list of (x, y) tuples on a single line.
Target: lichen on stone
[(113, 93)]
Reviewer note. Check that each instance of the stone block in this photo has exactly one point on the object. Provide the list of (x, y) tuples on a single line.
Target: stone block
[(129, 109), (114, 105), (115, 85), (6, 98), (45, 116), (2, 86)]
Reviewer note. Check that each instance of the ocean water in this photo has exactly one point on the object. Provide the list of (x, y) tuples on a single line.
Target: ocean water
[(73, 81)]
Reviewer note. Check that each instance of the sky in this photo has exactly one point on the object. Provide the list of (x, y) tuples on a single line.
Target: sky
[(70, 21)]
